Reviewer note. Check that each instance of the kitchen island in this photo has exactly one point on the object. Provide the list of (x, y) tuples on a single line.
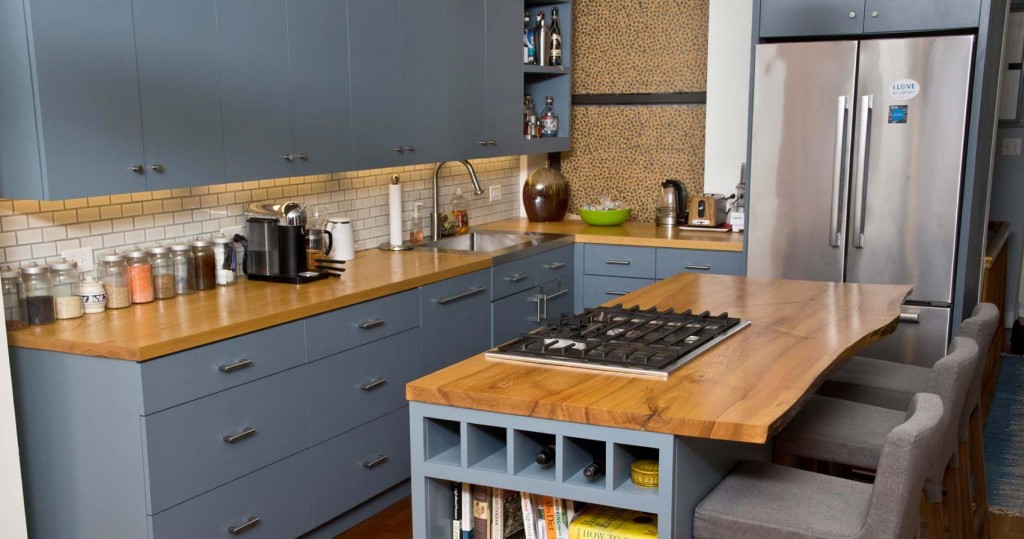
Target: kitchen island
[(481, 421)]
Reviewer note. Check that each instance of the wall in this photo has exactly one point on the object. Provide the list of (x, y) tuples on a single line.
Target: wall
[(1007, 204), (38, 231)]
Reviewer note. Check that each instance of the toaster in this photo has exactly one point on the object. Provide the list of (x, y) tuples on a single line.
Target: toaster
[(708, 210)]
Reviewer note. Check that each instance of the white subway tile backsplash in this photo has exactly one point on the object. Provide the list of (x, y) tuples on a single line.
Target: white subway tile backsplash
[(13, 222), (32, 235)]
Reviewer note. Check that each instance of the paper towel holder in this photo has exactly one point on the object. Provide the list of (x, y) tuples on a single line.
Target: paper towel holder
[(405, 245)]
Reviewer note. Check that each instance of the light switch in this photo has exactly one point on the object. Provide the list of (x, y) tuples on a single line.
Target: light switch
[(1011, 146)]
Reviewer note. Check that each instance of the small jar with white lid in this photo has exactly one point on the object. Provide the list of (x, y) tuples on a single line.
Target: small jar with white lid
[(66, 295), (112, 271), (38, 294), (94, 296)]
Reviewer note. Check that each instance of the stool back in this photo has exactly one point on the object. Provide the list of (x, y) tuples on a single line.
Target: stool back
[(980, 328), (950, 378)]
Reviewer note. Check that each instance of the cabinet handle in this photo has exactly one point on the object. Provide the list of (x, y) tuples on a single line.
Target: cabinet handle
[(248, 524), (539, 300), (370, 386), (288, 157), (304, 156), (381, 459), (464, 295), (615, 293), (910, 318), (157, 167), (482, 142), (491, 143), (874, 14), (555, 265), (247, 432), (853, 14), (618, 262), (138, 169), (399, 149), (232, 367), (371, 324), (558, 294), (702, 267), (516, 277), (410, 148)]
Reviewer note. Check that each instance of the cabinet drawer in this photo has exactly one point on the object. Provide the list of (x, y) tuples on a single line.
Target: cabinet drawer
[(349, 469), (277, 495), (353, 387), (673, 261), (456, 319), (340, 330), (618, 261), (516, 314), (187, 448), (599, 289), (554, 264), (512, 277), (189, 375)]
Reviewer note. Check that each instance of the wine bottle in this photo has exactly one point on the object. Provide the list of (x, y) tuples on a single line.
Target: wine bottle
[(546, 456), (548, 119), (543, 40), (528, 49), (594, 469), (555, 52), (529, 118)]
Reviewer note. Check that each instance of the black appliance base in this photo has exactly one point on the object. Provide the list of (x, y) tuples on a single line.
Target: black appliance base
[(302, 278)]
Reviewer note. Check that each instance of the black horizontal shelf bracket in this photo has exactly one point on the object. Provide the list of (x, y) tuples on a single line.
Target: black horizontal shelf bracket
[(677, 98)]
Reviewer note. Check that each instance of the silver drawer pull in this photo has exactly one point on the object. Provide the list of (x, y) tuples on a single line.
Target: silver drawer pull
[(558, 294), (910, 318), (615, 293), (249, 524), (618, 262), (247, 432), (555, 265), (381, 459), (370, 386), (464, 295), (371, 324), (702, 267), (516, 277), (232, 367)]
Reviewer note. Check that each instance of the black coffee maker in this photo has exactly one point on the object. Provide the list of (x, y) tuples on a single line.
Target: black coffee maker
[(275, 244)]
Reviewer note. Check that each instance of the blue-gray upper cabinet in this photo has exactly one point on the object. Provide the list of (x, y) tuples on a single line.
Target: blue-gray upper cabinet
[(70, 86), (179, 83), (882, 16), (253, 42), (504, 77), (319, 69), (397, 73), (782, 18)]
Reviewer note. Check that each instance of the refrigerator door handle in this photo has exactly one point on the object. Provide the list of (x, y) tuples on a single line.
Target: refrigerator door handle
[(866, 103), (835, 223)]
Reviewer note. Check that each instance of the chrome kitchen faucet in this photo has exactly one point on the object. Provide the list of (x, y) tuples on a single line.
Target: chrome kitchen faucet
[(435, 218)]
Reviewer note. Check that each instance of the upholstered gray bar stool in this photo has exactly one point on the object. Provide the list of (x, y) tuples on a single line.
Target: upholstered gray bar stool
[(769, 501), (852, 433), (889, 384)]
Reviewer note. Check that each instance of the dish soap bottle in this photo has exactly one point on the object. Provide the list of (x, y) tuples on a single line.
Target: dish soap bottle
[(460, 213), (416, 234)]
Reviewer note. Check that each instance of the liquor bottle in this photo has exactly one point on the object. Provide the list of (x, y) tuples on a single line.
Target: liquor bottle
[(548, 119), (528, 49), (594, 469), (555, 52), (542, 40), (529, 118), (546, 456)]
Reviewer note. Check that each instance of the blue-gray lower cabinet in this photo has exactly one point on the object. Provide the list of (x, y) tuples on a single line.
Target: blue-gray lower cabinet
[(516, 314), (619, 261), (340, 330), (673, 261), (456, 315), (598, 289)]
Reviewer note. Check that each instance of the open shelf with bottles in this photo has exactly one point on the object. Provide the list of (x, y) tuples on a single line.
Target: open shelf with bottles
[(540, 81)]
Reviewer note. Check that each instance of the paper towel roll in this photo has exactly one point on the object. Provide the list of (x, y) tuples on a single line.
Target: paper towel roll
[(395, 211)]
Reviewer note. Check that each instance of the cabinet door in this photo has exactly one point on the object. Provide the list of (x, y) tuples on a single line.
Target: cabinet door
[(87, 88), (423, 81), (920, 15), (318, 62), (781, 18), (456, 316), (176, 43), (505, 77), (515, 315), (465, 58), (253, 39), (375, 53)]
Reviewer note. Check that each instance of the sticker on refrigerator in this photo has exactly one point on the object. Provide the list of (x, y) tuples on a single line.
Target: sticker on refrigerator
[(905, 89), (898, 114)]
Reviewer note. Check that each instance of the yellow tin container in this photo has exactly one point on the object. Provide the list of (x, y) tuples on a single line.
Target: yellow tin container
[(644, 473)]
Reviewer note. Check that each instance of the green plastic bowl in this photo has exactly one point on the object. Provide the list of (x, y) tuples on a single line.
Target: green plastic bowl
[(605, 217)]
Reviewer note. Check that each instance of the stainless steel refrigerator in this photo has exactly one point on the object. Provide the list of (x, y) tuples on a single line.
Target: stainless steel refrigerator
[(857, 161)]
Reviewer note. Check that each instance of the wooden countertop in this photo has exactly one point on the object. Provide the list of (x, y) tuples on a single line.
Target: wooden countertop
[(745, 389), (999, 232), (629, 233)]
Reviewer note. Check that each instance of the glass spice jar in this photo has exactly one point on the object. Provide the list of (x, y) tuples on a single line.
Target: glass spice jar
[(163, 272), (66, 294), (184, 269), (206, 265), (94, 296), (38, 294), (14, 298), (226, 270), (140, 276), (113, 272)]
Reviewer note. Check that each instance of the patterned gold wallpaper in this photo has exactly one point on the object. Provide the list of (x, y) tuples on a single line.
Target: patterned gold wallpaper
[(643, 46), (625, 152)]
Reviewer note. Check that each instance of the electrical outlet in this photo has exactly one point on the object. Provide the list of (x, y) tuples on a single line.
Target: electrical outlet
[(1011, 146), (232, 230), (83, 256), (495, 192)]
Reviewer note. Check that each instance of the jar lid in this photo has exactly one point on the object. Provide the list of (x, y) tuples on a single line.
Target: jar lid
[(90, 280), (64, 265), (223, 239), (138, 254), (201, 243), (112, 257), (181, 247), (159, 250), (9, 273), (644, 473), (35, 269), (346, 220)]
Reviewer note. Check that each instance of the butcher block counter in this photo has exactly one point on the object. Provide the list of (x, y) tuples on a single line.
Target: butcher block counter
[(742, 390), (629, 233)]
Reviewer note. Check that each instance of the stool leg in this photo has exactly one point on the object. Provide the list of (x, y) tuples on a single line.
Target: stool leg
[(977, 460), (963, 486), (932, 515), (951, 503)]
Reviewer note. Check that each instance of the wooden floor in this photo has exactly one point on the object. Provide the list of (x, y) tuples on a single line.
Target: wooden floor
[(395, 522)]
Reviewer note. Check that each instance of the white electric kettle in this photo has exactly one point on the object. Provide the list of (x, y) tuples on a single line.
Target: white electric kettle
[(341, 231)]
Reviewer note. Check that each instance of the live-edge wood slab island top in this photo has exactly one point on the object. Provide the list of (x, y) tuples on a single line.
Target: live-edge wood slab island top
[(744, 390)]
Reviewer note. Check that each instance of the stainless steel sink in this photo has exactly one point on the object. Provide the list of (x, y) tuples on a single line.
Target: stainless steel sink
[(503, 246)]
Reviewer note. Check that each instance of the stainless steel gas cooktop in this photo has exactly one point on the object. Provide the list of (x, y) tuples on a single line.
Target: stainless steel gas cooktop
[(631, 340)]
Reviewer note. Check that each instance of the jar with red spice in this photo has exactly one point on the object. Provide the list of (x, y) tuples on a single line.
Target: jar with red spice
[(140, 276)]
